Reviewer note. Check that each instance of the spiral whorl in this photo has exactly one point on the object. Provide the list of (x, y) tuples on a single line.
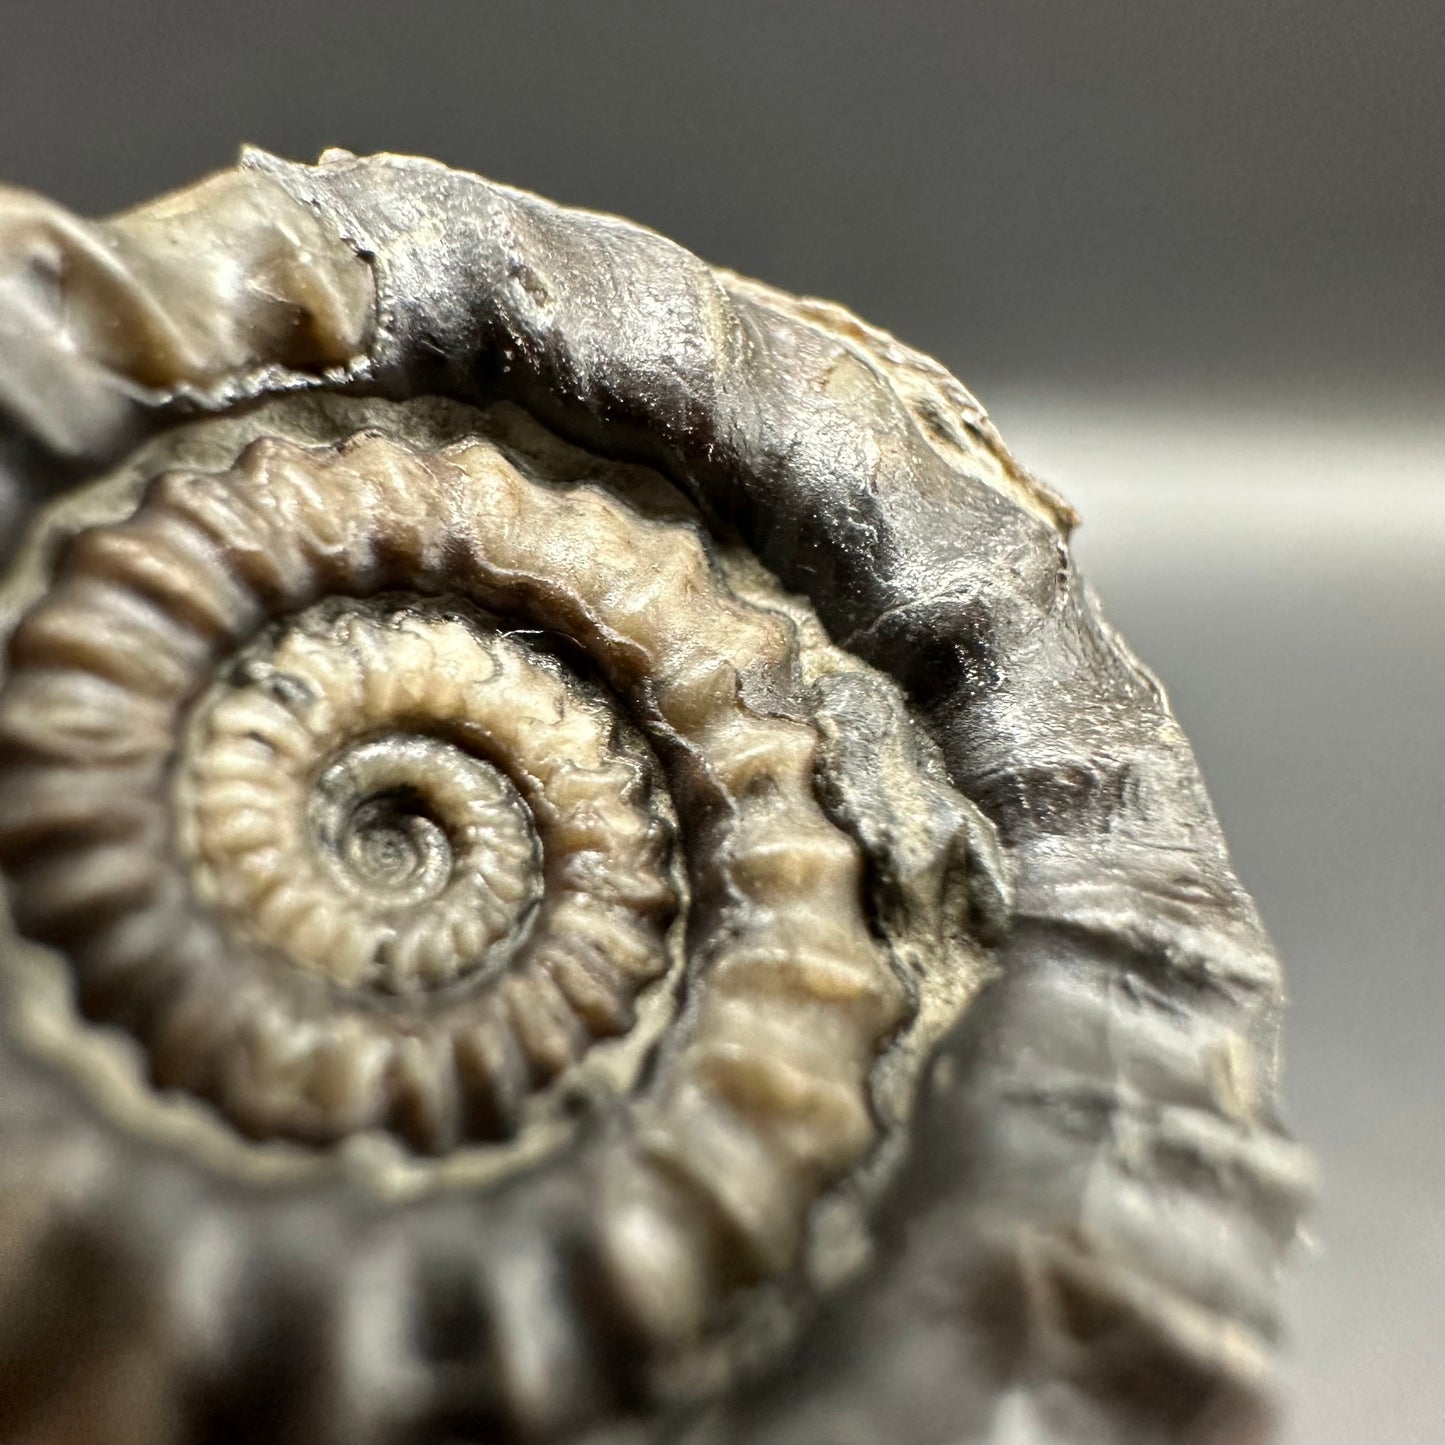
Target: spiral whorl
[(392, 867)]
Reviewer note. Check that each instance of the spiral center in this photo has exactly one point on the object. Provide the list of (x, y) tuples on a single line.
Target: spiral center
[(391, 841), (431, 849), (392, 816)]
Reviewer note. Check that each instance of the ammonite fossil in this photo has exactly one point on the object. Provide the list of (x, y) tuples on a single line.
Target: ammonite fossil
[(581, 865)]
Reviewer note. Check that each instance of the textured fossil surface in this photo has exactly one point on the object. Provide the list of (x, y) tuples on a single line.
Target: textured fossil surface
[(582, 866)]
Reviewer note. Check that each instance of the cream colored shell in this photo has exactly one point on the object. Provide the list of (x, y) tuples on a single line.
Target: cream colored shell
[(111, 723)]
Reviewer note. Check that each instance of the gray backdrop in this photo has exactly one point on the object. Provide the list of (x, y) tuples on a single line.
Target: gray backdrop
[(1193, 258)]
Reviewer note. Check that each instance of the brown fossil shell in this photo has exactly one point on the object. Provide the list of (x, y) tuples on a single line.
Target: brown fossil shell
[(581, 866)]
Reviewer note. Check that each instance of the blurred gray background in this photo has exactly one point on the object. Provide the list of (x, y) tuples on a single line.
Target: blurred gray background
[(1192, 257)]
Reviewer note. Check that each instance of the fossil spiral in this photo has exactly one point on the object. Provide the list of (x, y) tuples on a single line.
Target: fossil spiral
[(581, 865)]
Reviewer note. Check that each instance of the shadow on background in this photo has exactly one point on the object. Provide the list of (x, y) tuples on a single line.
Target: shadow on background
[(1191, 257)]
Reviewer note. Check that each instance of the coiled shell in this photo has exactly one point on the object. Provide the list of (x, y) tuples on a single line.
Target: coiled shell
[(582, 864)]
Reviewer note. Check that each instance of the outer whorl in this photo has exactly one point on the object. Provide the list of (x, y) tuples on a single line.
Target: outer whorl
[(581, 865)]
